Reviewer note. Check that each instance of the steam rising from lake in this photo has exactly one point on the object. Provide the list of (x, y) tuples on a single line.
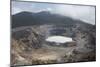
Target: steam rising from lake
[(59, 39)]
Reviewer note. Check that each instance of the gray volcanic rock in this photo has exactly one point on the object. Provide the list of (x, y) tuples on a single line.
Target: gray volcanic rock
[(28, 36)]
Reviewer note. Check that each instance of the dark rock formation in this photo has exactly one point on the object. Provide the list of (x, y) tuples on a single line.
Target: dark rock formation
[(28, 36)]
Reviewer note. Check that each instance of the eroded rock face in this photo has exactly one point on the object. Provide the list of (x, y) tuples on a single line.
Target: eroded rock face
[(28, 36)]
